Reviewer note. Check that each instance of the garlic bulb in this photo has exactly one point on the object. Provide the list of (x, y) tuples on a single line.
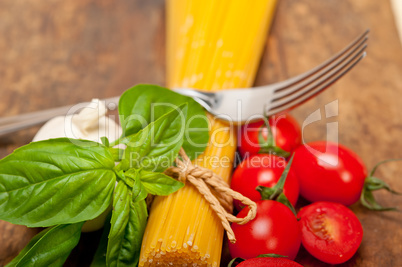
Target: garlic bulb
[(91, 123)]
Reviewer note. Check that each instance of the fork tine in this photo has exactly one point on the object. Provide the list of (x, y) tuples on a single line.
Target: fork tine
[(292, 81), (316, 88), (286, 92)]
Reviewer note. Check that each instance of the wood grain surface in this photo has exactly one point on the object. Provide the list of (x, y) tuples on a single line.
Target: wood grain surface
[(54, 53)]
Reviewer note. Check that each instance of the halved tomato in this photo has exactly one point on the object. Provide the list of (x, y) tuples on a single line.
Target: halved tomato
[(330, 231)]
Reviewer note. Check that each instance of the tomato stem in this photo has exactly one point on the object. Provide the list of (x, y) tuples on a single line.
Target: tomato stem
[(276, 192), (268, 146), (235, 261), (380, 163), (371, 184), (271, 255)]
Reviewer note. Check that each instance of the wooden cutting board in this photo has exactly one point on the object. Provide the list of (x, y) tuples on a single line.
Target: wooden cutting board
[(54, 53)]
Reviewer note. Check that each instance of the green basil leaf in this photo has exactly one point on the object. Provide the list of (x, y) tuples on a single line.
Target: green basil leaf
[(99, 259), (50, 247), (105, 141), (143, 104), (159, 183), (29, 246), (156, 146), (56, 181), (119, 222), (127, 228), (132, 180), (139, 191), (117, 153), (136, 228)]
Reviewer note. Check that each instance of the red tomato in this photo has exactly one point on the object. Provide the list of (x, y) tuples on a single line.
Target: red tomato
[(265, 170), (330, 231), (274, 230), (284, 128), (264, 262), (329, 172)]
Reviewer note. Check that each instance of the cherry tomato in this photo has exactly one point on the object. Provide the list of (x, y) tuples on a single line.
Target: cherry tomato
[(274, 230), (264, 262), (265, 170), (329, 172), (285, 130), (330, 231)]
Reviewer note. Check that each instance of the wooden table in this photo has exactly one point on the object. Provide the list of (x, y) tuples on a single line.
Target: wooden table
[(54, 53)]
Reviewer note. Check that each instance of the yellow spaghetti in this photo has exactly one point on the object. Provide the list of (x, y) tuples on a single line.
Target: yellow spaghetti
[(211, 45)]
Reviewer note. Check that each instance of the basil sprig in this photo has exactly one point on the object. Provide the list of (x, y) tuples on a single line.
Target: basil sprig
[(61, 183)]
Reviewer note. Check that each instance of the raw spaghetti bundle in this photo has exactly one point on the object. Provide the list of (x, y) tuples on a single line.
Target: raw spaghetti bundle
[(221, 196), (211, 45)]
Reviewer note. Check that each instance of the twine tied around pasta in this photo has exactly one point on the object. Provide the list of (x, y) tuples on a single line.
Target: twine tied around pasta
[(220, 197)]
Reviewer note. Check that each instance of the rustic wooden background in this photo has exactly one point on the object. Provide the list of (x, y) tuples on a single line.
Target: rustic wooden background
[(54, 53)]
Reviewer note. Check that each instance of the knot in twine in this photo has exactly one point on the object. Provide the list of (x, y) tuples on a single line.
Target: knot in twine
[(221, 196)]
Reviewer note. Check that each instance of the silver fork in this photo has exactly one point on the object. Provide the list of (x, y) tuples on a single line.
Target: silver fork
[(250, 104), (239, 105)]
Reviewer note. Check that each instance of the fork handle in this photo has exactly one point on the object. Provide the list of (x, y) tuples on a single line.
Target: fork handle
[(15, 123)]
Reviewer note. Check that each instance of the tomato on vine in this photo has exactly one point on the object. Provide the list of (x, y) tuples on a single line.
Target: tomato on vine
[(264, 170), (329, 171), (274, 230)]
